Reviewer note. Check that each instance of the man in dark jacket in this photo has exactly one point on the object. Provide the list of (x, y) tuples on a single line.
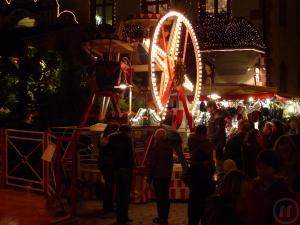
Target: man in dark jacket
[(233, 147), (106, 166), (123, 160), (201, 172), (216, 129)]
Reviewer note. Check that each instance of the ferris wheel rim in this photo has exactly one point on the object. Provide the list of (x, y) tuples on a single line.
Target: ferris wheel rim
[(161, 107)]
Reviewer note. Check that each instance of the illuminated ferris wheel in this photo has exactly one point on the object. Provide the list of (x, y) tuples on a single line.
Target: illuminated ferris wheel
[(175, 66)]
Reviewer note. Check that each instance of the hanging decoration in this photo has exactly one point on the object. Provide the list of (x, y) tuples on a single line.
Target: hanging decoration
[(58, 11)]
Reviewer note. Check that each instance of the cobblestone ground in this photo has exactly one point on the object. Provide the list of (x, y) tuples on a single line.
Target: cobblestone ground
[(142, 214)]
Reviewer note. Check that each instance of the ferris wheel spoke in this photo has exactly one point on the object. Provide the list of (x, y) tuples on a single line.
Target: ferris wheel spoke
[(185, 45), (166, 93), (163, 84), (159, 52), (174, 41), (160, 63), (165, 47)]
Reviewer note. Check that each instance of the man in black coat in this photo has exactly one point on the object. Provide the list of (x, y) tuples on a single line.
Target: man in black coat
[(123, 160), (200, 174)]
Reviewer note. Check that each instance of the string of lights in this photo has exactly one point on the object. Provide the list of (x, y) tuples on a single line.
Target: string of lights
[(218, 33), (58, 12)]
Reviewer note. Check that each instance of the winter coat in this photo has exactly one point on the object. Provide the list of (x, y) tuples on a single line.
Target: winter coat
[(105, 159), (200, 174), (160, 162), (122, 151), (233, 149), (216, 129)]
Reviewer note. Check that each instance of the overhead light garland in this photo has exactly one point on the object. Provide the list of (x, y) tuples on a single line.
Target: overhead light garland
[(58, 12), (9, 1), (219, 33)]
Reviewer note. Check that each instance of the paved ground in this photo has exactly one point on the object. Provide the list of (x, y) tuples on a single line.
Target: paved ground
[(27, 208), (23, 208), (142, 214)]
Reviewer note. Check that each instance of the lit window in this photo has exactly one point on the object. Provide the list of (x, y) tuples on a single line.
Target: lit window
[(210, 6), (103, 12), (222, 6), (155, 6)]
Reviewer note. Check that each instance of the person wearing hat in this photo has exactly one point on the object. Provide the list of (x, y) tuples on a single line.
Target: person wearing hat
[(216, 130)]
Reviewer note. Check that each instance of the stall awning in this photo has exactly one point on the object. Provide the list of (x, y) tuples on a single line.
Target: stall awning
[(98, 47), (231, 91)]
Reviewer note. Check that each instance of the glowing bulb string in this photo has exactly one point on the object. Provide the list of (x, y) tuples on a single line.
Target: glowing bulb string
[(64, 11), (185, 45), (58, 12)]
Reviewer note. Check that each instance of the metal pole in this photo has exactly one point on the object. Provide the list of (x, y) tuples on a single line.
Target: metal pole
[(130, 100), (45, 164)]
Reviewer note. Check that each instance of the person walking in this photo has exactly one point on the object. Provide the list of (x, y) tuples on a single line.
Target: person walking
[(159, 171)]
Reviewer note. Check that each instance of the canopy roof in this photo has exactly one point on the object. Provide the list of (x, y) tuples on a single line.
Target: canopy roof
[(99, 46), (232, 91)]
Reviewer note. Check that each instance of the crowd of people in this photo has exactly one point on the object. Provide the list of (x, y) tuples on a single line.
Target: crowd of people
[(257, 171), (251, 177)]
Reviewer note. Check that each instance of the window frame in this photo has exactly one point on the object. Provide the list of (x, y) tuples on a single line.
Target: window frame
[(103, 6), (155, 3)]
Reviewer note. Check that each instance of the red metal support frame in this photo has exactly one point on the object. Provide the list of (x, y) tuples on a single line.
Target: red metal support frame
[(167, 92), (58, 165), (45, 164), (185, 45), (74, 185), (3, 173), (166, 51), (171, 76), (187, 112)]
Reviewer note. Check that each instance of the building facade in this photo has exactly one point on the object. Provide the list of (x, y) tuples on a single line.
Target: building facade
[(282, 35), (279, 23)]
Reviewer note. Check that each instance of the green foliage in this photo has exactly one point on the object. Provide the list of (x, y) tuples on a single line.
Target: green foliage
[(8, 97)]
